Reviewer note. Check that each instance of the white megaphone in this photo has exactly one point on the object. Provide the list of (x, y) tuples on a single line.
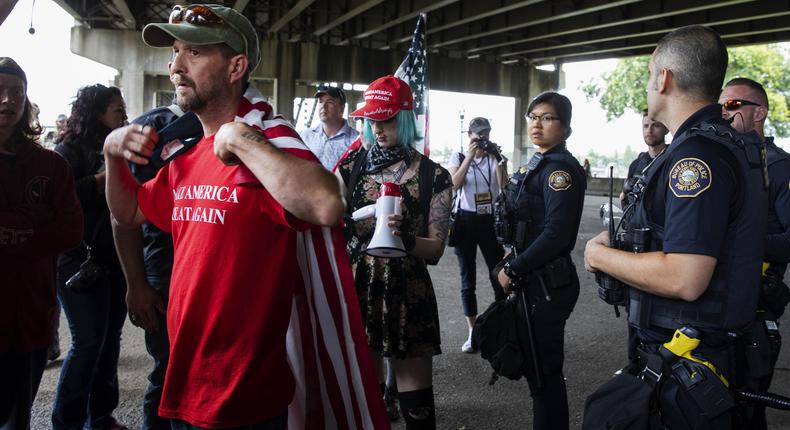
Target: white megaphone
[(384, 243)]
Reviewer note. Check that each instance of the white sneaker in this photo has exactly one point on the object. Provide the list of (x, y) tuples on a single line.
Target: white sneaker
[(467, 347)]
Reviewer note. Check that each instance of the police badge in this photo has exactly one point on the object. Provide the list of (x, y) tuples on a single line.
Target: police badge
[(559, 180), (689, 177)]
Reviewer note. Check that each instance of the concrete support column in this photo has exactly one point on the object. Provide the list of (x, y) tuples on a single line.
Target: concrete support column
[(538, 82), (133, 88), (126, 52)]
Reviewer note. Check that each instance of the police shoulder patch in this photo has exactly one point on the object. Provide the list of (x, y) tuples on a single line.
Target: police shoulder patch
[(559, 180), (689, 177)]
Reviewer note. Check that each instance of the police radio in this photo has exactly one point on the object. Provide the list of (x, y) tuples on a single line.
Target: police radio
[(610, 289)]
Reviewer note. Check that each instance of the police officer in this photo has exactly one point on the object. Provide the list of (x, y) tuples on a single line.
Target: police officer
[(704, 202), (654, 134), (745, 103), (547, 197)]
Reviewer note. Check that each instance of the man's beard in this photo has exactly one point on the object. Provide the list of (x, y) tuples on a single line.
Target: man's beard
[(195, 101), (191, 102), (655, 142)]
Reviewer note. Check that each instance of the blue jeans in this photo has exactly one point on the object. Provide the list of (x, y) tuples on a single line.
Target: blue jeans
[(279, 422), (87, 390), (158, 347), (476, 230), (20, 374)]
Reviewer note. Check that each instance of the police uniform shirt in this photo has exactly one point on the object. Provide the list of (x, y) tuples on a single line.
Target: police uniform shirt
[(555, 193), (639, 164), (777, 245), (693, 196), (695, 191)]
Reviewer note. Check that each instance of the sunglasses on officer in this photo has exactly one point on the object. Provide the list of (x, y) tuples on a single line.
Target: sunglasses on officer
[(735, 104), (195, 15)]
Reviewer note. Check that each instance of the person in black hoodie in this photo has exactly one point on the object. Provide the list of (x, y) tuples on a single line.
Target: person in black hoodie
[(95, 307)]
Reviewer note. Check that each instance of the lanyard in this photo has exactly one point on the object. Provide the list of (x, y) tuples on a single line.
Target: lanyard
[(476, 167)]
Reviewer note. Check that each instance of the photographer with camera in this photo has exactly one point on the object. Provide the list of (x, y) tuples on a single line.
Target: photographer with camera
[(478, 178), (538, 215)]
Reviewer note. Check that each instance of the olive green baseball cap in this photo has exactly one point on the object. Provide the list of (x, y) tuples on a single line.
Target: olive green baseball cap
[(233, 29)]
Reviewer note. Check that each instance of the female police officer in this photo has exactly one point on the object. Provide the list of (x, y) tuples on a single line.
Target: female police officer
[(545, 201)]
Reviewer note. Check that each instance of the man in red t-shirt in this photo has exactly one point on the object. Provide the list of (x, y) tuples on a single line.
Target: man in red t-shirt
[(232, 203)]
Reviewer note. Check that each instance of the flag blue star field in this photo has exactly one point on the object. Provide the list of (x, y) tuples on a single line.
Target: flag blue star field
[(414, 70)]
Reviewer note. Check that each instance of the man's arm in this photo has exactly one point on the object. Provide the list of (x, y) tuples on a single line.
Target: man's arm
[(142, 300), (304, 188), (133, 143), (674, 275)]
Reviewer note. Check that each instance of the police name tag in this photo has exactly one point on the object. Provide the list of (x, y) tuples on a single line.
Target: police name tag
[(483, 203)]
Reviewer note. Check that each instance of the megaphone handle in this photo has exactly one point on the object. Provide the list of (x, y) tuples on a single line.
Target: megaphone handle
[(364, 212)]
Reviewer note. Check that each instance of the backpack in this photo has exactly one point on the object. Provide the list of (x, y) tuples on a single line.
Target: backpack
[(500, 334)]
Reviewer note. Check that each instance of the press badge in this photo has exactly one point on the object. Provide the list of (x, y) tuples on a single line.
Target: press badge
[(483, 203)]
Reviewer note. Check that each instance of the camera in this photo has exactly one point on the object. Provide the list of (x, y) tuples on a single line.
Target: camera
[(489, 147), (86, 277)]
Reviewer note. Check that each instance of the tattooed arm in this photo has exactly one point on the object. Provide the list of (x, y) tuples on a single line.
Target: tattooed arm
[(304, 188), (432, 247)]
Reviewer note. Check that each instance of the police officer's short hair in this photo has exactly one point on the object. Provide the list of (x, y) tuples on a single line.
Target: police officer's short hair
[(697, 57), (560, 103), (754, 85)]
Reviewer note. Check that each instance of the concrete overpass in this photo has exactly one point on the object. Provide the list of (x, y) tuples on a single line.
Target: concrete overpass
[(487, 47)]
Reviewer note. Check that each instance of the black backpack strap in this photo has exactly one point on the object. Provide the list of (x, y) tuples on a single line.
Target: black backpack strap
[(427, 174), (353, 177)]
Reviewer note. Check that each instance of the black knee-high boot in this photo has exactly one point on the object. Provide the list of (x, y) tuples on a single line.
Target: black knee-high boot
[(418, 409)]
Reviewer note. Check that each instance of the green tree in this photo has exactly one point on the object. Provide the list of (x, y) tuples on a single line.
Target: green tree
[(624, 87)]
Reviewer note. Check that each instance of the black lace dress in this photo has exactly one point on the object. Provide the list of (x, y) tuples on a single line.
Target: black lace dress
[(395, 294)]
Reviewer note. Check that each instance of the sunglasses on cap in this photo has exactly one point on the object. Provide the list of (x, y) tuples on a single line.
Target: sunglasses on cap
[(735, 104), (195, 15)]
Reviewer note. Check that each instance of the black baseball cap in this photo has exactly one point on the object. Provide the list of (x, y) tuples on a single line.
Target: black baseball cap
[(476, 125), (335, 92)]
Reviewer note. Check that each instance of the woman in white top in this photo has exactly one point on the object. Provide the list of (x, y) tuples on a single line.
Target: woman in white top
[(478, 178)]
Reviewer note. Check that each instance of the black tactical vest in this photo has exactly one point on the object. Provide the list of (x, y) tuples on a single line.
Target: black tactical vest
[(775, 155), (730, 300), (532, 207)]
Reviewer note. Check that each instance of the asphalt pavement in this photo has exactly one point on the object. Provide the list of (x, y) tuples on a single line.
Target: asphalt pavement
[(594, 350)]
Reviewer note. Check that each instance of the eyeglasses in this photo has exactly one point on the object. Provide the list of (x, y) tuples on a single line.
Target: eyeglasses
[(544, 119), (735, 104), (195, 15)]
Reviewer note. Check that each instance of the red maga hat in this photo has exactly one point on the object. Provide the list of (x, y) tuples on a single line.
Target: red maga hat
[(384, 98)]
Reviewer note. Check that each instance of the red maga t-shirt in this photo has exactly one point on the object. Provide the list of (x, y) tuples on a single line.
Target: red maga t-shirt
[(231, 292)]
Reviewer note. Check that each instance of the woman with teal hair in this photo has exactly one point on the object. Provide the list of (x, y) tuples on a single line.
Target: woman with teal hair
[(396, 294)]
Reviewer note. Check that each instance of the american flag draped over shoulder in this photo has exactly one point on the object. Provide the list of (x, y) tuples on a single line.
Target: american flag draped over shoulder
[(414, 71), (326, 342)]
